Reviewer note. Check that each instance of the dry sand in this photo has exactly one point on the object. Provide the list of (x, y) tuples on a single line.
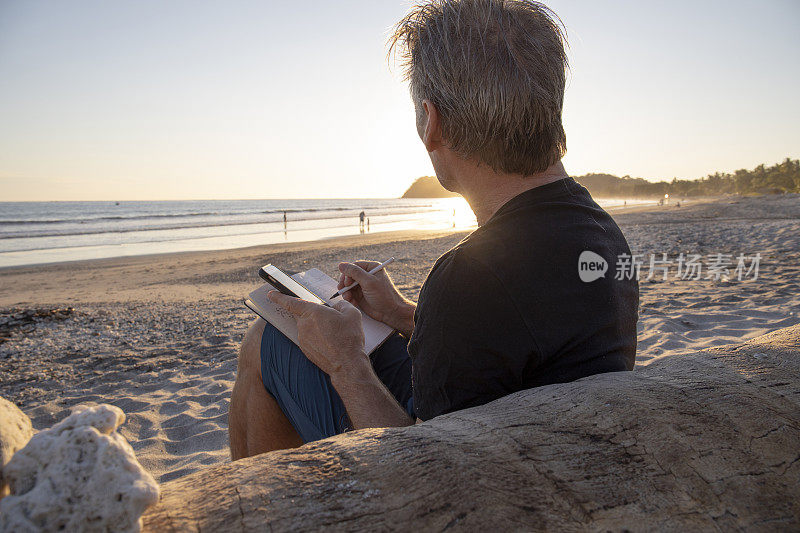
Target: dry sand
[(158, 335)]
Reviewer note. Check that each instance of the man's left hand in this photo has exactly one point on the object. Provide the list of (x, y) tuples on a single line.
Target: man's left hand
[(331, 337)]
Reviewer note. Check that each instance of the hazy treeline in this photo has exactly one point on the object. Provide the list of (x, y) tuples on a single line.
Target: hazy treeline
[(780, 178)]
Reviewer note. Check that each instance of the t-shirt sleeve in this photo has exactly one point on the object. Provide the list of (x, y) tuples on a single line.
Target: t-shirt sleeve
[(470, 345)]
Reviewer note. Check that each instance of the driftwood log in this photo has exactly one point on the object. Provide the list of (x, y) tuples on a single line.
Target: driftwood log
[(703, 441)]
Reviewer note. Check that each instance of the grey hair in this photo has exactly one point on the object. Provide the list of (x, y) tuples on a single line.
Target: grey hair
[(496, 71)]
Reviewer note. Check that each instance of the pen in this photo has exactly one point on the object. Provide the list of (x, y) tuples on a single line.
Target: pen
[(373, 271)]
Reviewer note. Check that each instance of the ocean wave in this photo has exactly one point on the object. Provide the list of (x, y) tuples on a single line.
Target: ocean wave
[(168, 238), (210, 224), (159, 216)]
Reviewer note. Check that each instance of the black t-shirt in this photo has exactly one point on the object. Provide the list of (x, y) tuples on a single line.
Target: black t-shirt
[(506, 309)]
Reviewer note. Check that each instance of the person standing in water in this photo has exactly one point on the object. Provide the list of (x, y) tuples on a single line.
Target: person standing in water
[(361, 216)]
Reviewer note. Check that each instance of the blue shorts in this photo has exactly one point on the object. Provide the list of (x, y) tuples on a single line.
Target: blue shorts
[(305, 394)]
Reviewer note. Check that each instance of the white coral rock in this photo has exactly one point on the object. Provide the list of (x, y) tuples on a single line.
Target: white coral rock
[(15, 432), (79, 475)]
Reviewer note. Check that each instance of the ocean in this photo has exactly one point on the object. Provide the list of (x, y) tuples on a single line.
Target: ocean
[(46, 232)]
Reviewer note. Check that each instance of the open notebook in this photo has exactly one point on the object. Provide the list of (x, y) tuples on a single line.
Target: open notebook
[(316, 281)]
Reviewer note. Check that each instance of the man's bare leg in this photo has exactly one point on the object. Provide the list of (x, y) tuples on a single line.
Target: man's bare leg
[(256, 423)]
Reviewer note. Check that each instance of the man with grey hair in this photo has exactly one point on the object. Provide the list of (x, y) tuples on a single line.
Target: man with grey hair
[(505, 309)]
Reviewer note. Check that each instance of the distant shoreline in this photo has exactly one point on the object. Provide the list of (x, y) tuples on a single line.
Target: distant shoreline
[(44, 234), (281, 247)]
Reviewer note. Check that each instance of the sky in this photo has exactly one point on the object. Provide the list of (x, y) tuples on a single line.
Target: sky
[(150, 100)]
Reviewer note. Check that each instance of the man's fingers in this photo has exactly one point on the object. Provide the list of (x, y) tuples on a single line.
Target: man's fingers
[(295, 306), (344, 281), (356, 272), (341, 305), (366, 265), (346, 308), (369, 265)]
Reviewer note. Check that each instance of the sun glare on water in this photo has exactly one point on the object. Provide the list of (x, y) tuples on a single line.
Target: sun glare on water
[(455, 213)]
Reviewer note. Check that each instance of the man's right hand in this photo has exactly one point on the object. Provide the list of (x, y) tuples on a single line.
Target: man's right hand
[(377, 296)]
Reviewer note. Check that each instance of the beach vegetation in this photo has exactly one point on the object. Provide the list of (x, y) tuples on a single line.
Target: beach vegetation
[(783, 177)]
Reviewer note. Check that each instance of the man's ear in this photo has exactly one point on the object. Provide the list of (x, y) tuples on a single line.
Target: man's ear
[(430, 126)]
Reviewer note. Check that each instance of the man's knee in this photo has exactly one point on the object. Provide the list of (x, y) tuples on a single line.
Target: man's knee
[(250, 351)]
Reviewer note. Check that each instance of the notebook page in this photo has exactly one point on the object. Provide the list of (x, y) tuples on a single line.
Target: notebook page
[(323, 286)]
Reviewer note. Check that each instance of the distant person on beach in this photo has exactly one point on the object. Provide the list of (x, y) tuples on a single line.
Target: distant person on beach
[(361, 216), (528, 299), (284, 220)]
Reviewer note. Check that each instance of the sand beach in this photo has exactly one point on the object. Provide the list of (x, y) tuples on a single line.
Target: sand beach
[(158, 335)]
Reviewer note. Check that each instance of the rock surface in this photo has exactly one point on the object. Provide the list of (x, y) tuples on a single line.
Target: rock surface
[(689, 442), (15, 431), (427, 187), (79, 475)]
